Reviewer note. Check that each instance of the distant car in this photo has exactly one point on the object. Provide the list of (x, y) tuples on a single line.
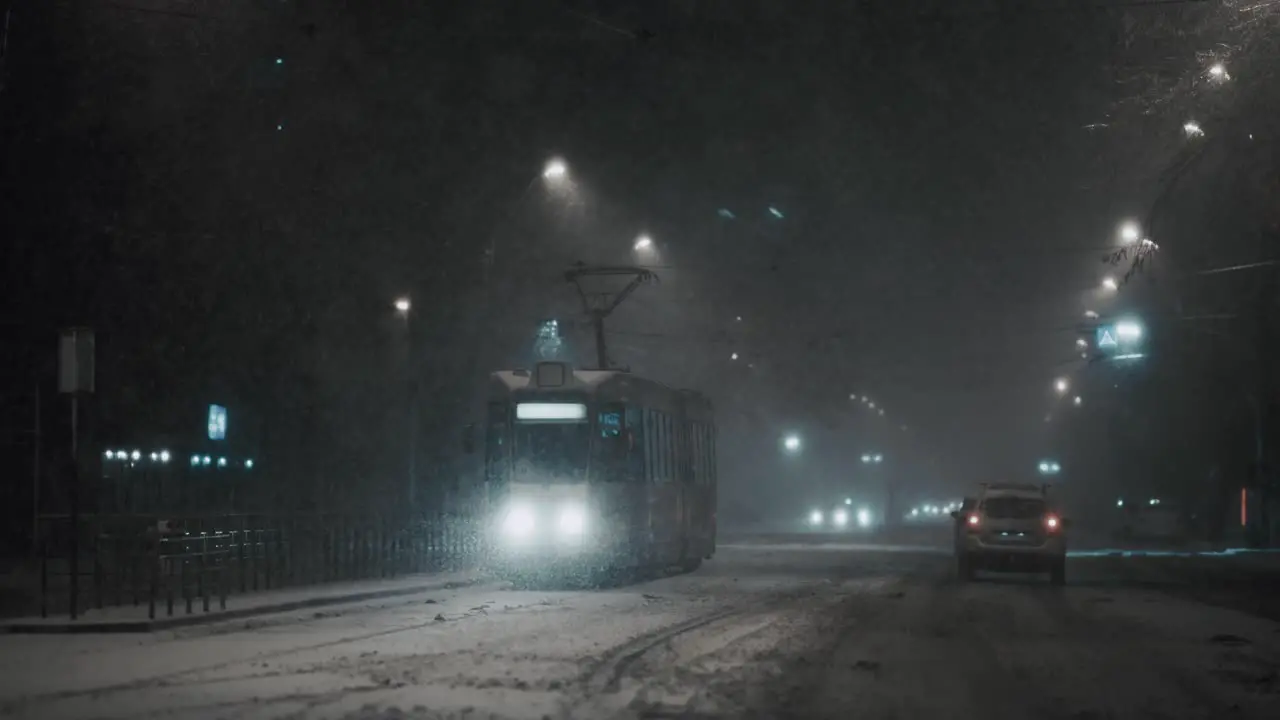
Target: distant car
[(1011, 528), (841, 517)]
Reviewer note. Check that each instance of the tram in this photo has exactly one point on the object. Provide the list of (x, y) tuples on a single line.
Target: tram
[(597, 470)]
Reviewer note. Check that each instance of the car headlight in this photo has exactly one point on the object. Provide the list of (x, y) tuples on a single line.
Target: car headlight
[(518, 521), (573, 520), (840, 518), (815, 517)]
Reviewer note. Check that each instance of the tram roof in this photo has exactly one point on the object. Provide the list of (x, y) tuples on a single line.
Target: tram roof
[(590, 380)]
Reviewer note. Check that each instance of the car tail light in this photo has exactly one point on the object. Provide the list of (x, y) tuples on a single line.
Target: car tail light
[(973, 523), (1052, 523)]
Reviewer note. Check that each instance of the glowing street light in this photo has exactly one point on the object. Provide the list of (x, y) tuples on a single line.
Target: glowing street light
[(403, 305), (1109, 284), (1082, 343), (791, 443), (1129, 232), (1077, 401), (1218, 71), (555, 169), (1061, 386), (734, 356), (1192, 128), (643, 243), (1091, 314), (1049, 467)]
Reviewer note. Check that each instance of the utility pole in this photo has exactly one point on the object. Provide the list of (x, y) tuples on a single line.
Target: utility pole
[(1264, 405), (75, 377), (599, 305), (35, 477)]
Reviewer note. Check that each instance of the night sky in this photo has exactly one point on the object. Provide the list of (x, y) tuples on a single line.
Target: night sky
[(233, 193)]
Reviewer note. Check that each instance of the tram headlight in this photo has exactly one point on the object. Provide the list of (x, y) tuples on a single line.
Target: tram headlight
[(840, 518), (572, 520), (864, 517), (518, 522)]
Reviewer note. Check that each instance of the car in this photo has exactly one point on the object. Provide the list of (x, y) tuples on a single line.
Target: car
[(1011, 528)]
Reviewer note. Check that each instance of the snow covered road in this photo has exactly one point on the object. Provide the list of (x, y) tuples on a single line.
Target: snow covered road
[(761, 631)]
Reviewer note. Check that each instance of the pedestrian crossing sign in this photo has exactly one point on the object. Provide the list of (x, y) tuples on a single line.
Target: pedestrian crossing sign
[(1107, 338)]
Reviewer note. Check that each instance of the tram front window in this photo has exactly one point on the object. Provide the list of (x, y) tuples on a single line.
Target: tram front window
[(552, 442)]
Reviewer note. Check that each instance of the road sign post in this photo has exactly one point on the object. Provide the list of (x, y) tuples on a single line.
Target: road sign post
[(75, 376)]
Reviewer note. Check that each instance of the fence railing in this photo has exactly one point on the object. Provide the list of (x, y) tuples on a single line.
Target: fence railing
[(177, 564)]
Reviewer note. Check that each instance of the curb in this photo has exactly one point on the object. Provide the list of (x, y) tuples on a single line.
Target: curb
[(73, 627)]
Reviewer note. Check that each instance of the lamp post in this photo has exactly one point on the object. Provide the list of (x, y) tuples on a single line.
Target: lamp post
[(403, 306)]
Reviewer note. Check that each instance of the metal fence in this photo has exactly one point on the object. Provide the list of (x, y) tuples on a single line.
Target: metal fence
[(178, 564)]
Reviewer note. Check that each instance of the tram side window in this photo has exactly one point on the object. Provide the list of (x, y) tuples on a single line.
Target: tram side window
[(699, 448), (614, 446), (712, 456), (695, 468), (633, 436), (650, 443), (673, 450), (684, 452), (663, 448), (610, 422)]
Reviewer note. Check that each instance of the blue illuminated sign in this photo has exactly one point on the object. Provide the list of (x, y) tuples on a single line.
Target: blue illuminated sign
[(217, 422), (1106, 339)]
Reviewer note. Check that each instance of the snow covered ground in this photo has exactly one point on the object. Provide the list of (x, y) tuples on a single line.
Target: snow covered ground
[(760, 631)]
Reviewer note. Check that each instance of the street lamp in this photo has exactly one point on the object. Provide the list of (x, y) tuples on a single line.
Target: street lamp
[(555, 169), (1129, 232), (643, 243), (403, 305), (1077, 401), (1061, 386), (1049, 467), (1109, 284), (791, 443)]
